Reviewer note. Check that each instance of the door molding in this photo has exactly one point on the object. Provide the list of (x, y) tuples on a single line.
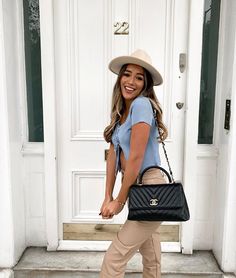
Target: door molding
[(75, 35), (49, 115)]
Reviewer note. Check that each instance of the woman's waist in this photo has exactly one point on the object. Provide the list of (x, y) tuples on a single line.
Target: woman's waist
[(152, 175)]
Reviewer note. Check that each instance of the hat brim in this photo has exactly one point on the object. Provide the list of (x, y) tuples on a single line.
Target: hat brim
[(116, 64)]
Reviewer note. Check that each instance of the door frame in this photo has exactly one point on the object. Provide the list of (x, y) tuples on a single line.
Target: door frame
[(196, 19), (49, 122), (49, 114)]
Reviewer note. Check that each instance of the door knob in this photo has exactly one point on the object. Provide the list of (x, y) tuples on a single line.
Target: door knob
[(179, 105)]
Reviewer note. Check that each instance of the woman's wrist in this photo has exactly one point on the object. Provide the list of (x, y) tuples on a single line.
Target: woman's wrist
[(119, 202), (108, 196)]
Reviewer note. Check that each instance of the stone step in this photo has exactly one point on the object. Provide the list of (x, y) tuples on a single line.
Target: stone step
[(77, 274), (37, 262)]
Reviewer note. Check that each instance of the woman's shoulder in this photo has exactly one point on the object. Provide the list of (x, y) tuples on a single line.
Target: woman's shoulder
[(141, 111), (142, 102)]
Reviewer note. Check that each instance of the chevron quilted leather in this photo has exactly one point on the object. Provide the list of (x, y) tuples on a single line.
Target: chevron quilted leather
[(162, 202)]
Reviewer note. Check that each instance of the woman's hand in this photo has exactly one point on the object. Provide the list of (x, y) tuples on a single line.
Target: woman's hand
[(106, 201), (112, 208)]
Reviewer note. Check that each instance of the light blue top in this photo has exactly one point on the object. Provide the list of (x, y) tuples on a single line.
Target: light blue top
[(140, 111)]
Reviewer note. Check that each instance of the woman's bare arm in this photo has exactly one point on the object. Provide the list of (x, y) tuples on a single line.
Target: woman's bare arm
[(138, 142), (110, 172), (110, 177)]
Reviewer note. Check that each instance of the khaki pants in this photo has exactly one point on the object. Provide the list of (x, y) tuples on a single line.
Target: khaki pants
[(134, 236)]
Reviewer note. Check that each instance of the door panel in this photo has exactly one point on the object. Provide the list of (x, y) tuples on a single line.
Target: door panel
[(85, 43)]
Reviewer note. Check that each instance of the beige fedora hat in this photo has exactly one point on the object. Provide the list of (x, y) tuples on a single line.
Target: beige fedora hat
[(139, 57)]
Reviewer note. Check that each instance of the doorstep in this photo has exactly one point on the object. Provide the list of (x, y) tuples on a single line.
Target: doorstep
[(38, 261)]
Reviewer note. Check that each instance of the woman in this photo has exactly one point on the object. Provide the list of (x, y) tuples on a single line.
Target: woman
[(132, 136)]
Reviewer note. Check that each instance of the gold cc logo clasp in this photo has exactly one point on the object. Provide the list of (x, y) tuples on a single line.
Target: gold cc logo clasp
[(153, 202)]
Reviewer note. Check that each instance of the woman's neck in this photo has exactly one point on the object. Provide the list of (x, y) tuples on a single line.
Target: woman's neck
[(127, 105), (125, 112), (128, 102)]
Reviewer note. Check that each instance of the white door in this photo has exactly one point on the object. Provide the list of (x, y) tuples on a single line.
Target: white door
[(85, 43)]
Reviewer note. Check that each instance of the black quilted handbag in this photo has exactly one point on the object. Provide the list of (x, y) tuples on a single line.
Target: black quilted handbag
[(158, 202)]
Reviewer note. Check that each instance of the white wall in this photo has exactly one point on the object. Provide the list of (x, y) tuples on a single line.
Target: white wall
[(15, 212), (225, 190), (6, 234)]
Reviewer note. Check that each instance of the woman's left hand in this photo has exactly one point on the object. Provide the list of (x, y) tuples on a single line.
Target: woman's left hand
[(111, 209)]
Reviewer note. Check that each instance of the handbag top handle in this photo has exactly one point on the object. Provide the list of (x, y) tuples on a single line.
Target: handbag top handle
[(140, 180)]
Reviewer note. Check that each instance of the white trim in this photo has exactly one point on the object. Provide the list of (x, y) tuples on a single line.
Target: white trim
[(33, 148), (49, 115), (219, 97), (7, 240), (108, 24), (22, 72), (192, 112), (207, 151), (77, 215), (82, 245), (73, 34), (87, 136), (229, 243)]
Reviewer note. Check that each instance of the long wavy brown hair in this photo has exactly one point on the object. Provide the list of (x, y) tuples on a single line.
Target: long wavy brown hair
[(118, 105)]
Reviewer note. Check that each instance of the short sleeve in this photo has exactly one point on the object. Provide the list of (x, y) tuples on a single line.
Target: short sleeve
[(141, 111)]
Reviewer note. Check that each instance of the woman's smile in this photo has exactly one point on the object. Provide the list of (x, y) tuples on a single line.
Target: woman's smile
[(129, 89)]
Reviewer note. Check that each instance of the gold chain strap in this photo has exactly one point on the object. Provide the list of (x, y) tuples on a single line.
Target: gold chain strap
[(163, 145)]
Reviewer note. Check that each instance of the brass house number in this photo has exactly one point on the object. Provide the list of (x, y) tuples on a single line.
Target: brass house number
[(121, 28)]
